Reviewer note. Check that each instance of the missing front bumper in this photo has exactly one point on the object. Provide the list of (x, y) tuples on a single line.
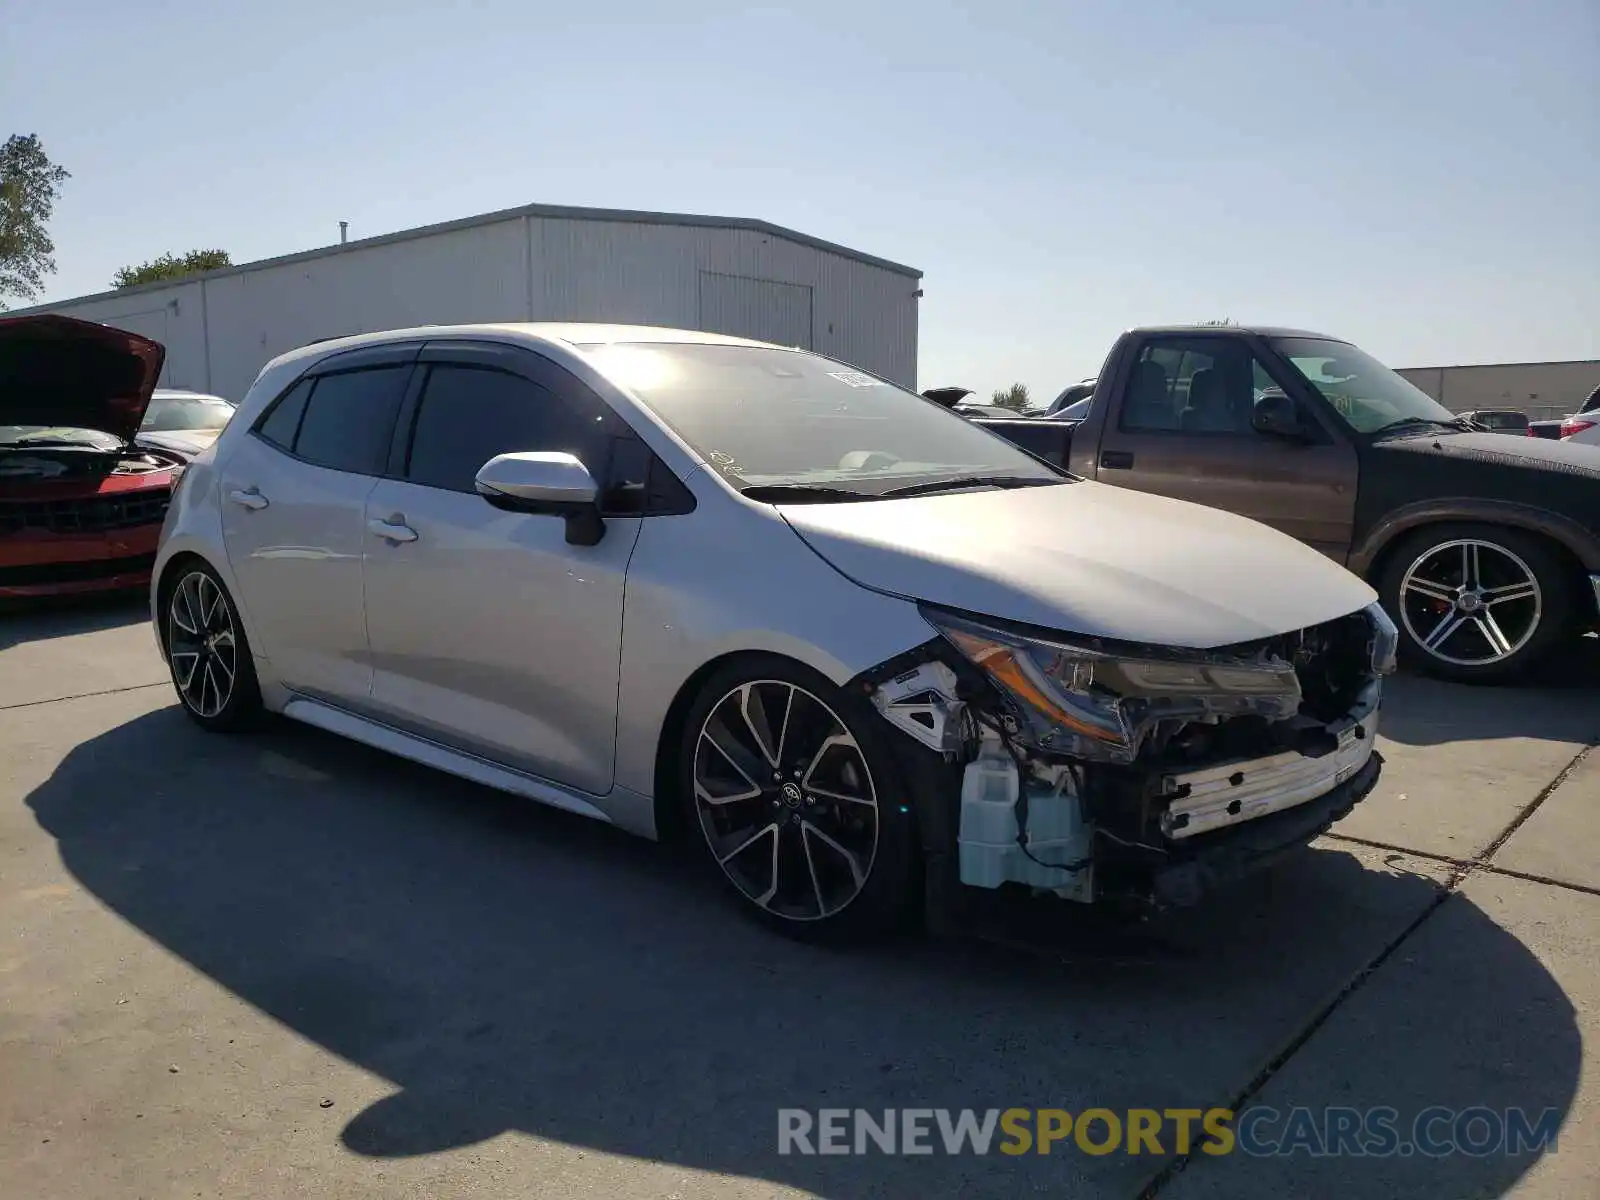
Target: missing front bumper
[(1231, 793), (1222, 857)]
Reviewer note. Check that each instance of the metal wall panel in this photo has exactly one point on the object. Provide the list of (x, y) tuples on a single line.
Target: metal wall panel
[(220, 330), (756, 308), (1543, 391), (173, 315)]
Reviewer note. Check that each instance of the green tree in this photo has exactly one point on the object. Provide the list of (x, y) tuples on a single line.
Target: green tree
[(170, 266), (1014, 397), (29, 185)]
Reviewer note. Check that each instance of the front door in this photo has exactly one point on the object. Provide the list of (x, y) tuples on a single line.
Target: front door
[(489, 632), (294, 497), (1184, 430)]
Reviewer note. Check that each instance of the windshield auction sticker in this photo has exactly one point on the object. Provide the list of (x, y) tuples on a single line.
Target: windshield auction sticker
[(855, 379)]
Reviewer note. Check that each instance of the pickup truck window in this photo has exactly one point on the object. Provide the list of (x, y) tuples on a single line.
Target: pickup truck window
[(1367, 395), (1195, 386)]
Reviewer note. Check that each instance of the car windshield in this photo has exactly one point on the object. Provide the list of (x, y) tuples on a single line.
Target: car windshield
[(1365, 393), (168, 414), (767, 417)]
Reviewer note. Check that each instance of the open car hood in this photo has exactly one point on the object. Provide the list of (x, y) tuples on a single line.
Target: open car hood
[(1088, 559), (60, 371)]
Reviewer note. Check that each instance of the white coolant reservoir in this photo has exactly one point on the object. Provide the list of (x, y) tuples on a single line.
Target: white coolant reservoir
[(988, 834), (1059, 842)]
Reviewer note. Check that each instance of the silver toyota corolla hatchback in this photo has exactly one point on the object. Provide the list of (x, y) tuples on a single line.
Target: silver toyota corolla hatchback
[(851, 644)]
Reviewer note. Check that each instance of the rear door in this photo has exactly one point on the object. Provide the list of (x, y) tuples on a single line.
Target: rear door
[(294, 497), (1183, 429)]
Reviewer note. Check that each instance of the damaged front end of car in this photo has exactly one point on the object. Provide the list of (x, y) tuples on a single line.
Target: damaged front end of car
[(1136, 775)]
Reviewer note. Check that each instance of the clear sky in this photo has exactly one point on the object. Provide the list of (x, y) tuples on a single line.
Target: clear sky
[(1421, 177)]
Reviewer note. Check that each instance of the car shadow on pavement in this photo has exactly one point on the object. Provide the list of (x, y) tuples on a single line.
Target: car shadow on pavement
[(512, 968), (37, 620)]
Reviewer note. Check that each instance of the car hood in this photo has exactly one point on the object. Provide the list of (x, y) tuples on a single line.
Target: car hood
[(60, 371), (188, 442), (1086, 558), (1500, 450)]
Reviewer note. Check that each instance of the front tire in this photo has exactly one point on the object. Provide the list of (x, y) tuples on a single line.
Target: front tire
[(208, 655), (796, 803), (1476, 603)]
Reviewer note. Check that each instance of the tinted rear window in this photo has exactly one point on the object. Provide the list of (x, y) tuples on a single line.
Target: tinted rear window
[(350, 418)]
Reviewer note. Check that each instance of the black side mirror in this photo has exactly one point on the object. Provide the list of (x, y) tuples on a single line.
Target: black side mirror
[(1276, 416)]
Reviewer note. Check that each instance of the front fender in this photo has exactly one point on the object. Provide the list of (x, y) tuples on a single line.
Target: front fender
[(1583, 544)]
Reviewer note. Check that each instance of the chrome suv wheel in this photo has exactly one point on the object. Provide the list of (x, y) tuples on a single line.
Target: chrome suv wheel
[(796, 802), (207, 653), (1477, 603)]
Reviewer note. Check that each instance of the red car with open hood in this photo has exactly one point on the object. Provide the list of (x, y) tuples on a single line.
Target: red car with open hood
[(81, 500)]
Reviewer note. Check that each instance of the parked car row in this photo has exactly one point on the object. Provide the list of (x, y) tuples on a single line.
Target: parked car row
[(867, 656)]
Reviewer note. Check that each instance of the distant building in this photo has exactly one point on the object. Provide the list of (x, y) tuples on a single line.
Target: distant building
[(539, 263), (1543, 390)]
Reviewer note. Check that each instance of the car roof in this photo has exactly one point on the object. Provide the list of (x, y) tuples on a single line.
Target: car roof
[(184, 394), (569, 333), (1259, 330)]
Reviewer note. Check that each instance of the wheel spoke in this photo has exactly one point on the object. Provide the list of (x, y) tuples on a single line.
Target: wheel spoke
[(184, 620), (1511, 591), (1469, 564), (1492, 633), (1442, 631), (838, 739), (760, 725), (732, 756), (1432, 590), (183, 677), (857, 872), (208, 608), (811, 866), (829, 794)]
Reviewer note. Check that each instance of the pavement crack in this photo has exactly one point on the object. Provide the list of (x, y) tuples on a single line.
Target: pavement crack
[(132, 687), (1463, 870), (1517, 822)]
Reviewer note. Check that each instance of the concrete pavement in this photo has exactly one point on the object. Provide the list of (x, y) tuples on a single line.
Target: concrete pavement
[(284, 965)]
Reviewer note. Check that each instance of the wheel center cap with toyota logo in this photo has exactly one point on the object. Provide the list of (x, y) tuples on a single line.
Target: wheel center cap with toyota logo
[(791, 794)]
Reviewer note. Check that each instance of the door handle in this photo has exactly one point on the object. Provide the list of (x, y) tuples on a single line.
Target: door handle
[(394, 530), (249, 497), (1116, 460)]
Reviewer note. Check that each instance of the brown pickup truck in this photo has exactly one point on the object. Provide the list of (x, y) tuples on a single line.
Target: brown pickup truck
[(1485, 548)]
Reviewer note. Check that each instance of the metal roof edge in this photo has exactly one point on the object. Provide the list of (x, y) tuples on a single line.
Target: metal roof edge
[(1543, 362), (550, 211)]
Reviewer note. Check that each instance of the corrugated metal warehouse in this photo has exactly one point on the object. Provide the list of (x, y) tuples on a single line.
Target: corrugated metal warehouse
[(1542, 390), (539, 263)]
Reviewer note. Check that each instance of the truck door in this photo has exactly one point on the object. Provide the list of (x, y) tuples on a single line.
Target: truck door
[(1184, 429)]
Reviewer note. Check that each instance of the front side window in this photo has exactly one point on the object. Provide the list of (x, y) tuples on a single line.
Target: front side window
[(347, 421), (766, 417), (1367, 395), (1195, 385), (468, 415)]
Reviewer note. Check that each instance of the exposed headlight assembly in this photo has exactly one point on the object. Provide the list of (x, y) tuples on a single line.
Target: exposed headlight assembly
[(1094, 704), (1385, 640)]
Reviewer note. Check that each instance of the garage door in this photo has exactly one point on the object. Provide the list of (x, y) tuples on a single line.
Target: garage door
[(763, 309)]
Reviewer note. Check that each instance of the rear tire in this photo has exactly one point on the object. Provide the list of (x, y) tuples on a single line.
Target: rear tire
[(796, 804), (208, 655), (1477, 603)]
